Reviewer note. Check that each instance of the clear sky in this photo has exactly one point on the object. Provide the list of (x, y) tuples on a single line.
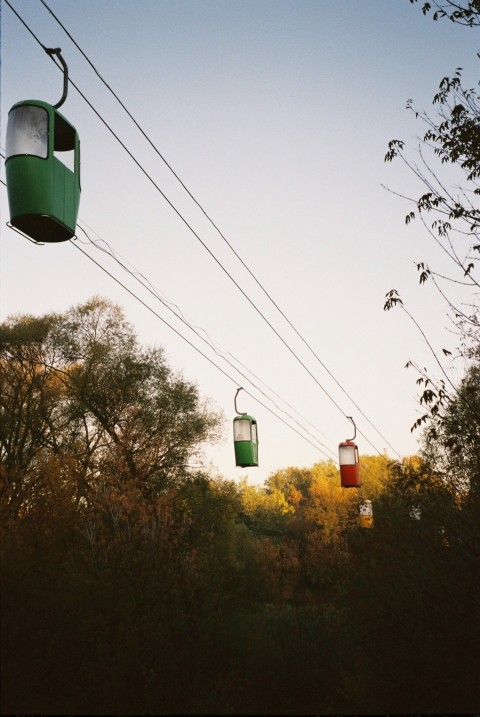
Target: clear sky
[(276, 115)]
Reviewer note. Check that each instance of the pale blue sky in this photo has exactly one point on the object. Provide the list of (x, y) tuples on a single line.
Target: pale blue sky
[(276, 115)]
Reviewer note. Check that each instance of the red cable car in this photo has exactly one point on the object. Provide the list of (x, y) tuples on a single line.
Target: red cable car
[(349, 462)]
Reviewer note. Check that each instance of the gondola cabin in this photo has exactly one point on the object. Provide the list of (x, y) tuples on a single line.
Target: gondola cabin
[(349, 465), (43, 172), (366, 514), (245, 441)]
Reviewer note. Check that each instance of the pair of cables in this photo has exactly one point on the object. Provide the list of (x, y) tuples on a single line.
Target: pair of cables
[(196, 235)]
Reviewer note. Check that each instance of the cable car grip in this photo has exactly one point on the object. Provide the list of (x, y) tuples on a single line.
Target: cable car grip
[(57, 51), (239, 413), (354, 428)]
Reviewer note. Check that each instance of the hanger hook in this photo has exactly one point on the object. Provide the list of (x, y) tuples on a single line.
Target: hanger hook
[(240, 413), (354, 428), (57, 51)]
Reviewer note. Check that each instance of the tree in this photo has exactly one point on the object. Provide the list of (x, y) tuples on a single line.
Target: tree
[(464, 13), (451, 442), (439, 552), (79, 385), (449, 211), (97, 435)]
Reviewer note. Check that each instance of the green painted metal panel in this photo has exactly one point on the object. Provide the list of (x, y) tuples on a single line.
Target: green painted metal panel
[(30, 186), (246, 453)]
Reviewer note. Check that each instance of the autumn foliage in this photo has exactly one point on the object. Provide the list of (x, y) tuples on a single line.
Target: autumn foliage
[(134, 583)]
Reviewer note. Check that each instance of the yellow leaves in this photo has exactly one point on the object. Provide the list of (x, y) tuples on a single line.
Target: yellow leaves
[(256, 499), (416, 462), (294, 498), (279, 502)]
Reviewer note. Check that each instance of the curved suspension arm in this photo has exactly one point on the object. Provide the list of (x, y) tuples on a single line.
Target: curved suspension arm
[(240, 413), (57, 51), (354, 427)]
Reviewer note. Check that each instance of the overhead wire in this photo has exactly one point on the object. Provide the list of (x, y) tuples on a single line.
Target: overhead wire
[(317, 443), (215, 226), (192, 230), (182, 318), (179, 214), (201, 332), (179, 316), (196, 330), (192, 345)]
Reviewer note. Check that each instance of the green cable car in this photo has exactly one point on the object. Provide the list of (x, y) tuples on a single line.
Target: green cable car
[(43, 169), (43, 191), (245, 439)]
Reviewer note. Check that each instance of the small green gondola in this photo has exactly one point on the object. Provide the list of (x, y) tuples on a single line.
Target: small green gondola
[(245, 439)]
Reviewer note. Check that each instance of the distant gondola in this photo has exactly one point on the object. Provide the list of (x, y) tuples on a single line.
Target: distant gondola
[(245, 439), (349, 462), (366, 514)]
